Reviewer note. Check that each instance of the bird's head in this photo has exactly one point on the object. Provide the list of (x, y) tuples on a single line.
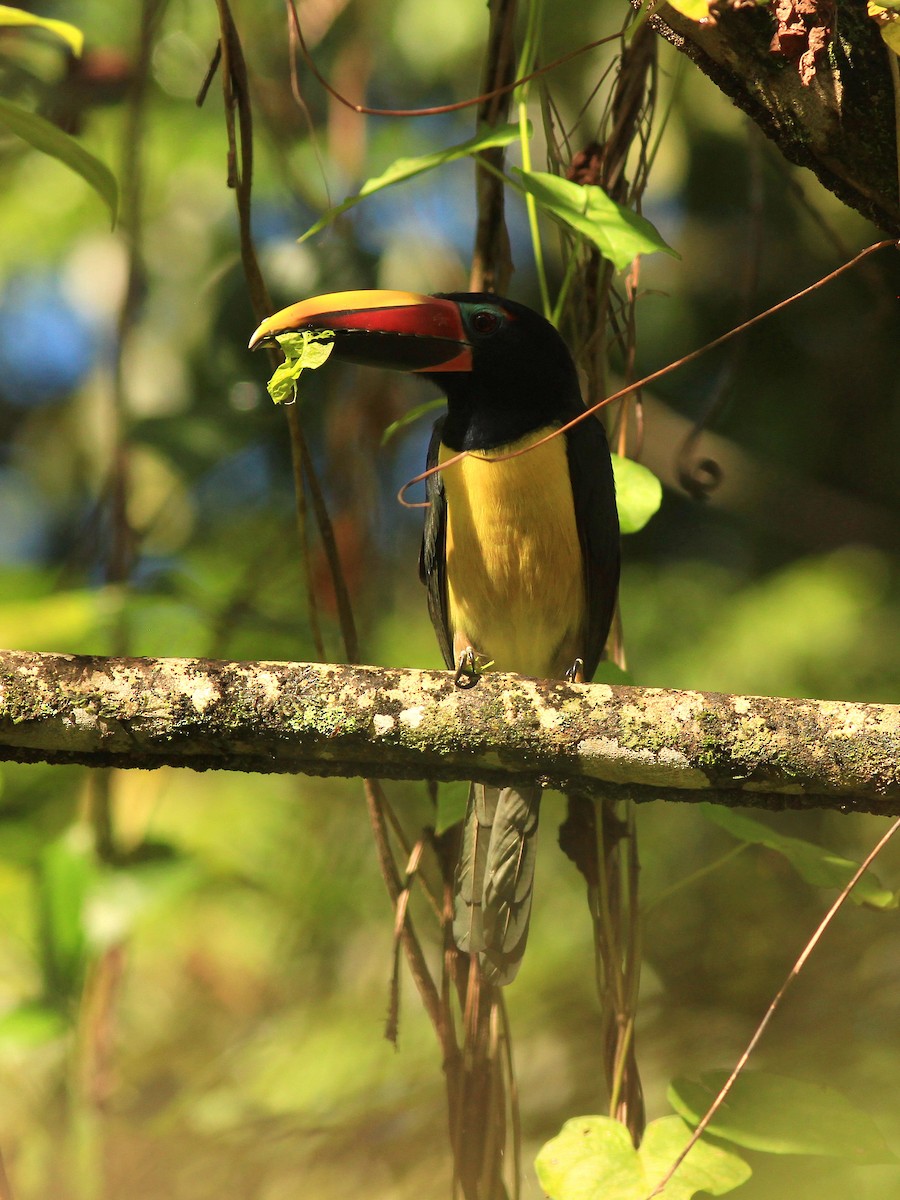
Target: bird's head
[(505, 370)]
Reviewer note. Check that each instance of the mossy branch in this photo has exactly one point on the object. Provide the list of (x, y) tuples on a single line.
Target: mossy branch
[(840, 121), (322, 719)]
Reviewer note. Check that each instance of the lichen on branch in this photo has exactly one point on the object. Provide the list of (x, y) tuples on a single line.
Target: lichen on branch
[(324, 719)]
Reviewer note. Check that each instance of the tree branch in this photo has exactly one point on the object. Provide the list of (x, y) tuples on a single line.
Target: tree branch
[(841, 123), (322, 719)]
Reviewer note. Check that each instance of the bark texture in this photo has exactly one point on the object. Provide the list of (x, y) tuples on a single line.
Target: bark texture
[(830, 109), (322, 719)]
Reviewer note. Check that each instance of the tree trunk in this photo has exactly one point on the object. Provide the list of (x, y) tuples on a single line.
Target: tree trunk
[(832, 109)]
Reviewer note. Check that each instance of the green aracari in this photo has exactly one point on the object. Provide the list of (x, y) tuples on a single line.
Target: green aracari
[(520, 554)]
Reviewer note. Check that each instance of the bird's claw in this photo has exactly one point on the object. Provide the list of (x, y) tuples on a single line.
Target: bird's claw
[(466, 669), (575, 673)]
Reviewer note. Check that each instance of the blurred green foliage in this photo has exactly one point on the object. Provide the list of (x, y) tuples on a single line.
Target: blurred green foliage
[(202, 1014)]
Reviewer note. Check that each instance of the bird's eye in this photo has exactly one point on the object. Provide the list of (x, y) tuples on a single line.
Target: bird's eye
[(485, 321)]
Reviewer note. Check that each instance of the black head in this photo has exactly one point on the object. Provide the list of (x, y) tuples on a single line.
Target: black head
[(522, 375)]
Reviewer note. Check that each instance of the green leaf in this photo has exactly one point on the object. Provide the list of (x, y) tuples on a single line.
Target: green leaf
[(69, 33), (304, 351), (67, 870), (700, 10), (694, 10), (123, 897), (49, 140), (592, 1158), (420, 410), (782, 1116), (64, 621), (707, 1168), (885, 16), (890, 34), (20, 841), (407, 168), (814, 864), (30, 1025), (452, 801), (617, 232), (638, 493)]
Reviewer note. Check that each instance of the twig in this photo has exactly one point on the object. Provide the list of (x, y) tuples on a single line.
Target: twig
[(418, 967), (6, 1192), (236, 89), (491, 261), (434, 110), (795, 970), (234, 82), (654, 375)]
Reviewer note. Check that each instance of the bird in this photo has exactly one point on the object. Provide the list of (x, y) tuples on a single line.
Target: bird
[(520, 551)]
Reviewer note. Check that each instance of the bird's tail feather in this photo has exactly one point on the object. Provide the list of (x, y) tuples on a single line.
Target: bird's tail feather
[(495, 877)]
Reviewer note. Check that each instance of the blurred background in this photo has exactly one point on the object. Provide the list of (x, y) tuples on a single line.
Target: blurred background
[(203, 1012)]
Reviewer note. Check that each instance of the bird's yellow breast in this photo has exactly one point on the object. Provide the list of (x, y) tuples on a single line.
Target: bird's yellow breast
[(515, 583)]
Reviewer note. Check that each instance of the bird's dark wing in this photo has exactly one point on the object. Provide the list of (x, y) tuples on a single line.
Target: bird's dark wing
[(594, 496), (432, 556)]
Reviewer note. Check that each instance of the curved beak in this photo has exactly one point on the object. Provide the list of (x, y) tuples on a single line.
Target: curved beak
[(404, 331)]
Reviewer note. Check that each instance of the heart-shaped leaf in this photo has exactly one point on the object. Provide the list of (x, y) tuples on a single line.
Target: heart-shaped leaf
[(592, 1158), (638, 493)]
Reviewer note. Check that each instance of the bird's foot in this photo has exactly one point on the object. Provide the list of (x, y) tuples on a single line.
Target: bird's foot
[(467, 670), (575, 673)]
